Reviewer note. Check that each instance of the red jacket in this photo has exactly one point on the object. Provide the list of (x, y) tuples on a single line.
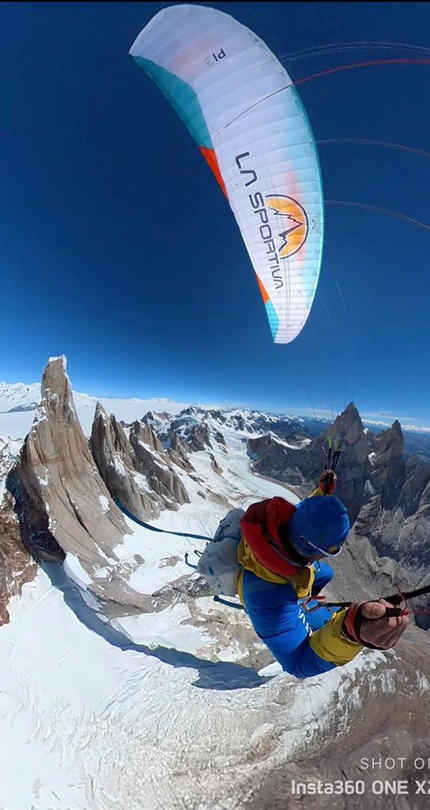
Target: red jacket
[(260, 522)]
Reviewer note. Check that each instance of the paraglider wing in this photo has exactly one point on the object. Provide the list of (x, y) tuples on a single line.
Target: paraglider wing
[(242, 109)]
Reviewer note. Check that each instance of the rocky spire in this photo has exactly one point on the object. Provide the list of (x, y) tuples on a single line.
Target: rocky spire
[(387, 476), (353, 466), (56, 482), (136, 469)]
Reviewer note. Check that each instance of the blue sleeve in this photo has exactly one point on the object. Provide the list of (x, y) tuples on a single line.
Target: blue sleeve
[(323, 575), (283, 625)]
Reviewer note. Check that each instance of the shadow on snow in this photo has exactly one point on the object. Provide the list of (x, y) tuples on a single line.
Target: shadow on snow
[(218, 676)]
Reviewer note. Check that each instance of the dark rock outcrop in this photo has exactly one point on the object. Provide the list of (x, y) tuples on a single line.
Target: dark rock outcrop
[(219, 437), (214, 464), (16, 565)]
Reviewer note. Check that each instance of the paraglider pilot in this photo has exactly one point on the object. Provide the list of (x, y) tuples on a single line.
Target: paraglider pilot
[(281, 554)]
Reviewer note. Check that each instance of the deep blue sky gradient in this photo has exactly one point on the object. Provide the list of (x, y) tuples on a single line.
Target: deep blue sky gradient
[(119, 250)]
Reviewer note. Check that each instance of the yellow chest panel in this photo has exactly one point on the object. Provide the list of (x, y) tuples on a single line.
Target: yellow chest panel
[(302, 581)]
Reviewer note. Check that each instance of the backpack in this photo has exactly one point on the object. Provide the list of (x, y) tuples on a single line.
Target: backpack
[(219, 563)]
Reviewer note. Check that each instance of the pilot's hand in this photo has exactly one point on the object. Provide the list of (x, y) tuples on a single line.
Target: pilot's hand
[(328, 482), (371, 624)]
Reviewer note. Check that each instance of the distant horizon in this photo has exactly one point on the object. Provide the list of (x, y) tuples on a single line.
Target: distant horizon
[(384, 419)]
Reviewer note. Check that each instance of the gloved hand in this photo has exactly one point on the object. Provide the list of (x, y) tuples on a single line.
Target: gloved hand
[(374, 625), (328, 482)]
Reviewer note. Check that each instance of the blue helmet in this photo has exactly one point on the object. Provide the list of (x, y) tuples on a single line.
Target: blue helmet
[(320, 525)]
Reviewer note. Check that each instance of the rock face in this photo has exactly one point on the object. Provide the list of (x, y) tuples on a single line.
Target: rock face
[(61, 501), (113, 455), (354, 466), (387, 476), (417, 477), (395, 515), (56, 483), (178, 453), (16, 565), (151, 461), (135, 468)]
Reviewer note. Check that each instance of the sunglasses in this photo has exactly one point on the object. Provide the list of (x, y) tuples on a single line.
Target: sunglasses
[(333, 551)]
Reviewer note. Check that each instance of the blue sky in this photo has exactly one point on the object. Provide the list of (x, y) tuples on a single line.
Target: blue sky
[(109, 257)]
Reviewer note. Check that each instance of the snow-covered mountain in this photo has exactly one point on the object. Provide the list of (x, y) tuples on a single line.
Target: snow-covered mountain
[(21, 399), (19, 396), (19, 403), (123, 681)]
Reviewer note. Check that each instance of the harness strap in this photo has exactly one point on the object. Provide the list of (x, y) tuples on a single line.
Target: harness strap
[(395, 599), (155, 529)]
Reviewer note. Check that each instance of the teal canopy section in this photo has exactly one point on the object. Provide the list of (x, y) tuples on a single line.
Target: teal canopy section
[(272, 318), (183, 99)]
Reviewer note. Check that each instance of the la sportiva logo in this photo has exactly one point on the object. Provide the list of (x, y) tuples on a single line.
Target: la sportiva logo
[(293, 236), (281, 222)]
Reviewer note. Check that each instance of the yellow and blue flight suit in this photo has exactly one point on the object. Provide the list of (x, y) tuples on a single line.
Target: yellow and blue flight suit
[(270, 587)]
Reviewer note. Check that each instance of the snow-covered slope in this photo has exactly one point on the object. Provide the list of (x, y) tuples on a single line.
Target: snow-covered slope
[(90, 725), (123, 714)]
